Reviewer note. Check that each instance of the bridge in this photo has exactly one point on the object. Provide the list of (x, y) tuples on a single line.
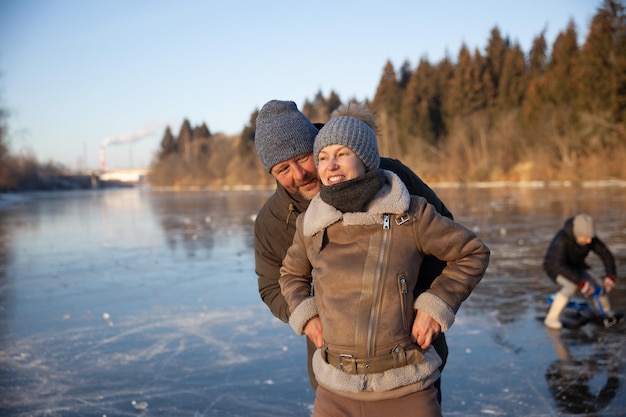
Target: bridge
[(126, 176), (96, 179)]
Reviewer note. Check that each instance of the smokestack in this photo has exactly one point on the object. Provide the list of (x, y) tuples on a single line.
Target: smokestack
[(102, 159)]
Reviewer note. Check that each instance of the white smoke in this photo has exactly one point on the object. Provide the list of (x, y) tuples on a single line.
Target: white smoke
[(148, 129)]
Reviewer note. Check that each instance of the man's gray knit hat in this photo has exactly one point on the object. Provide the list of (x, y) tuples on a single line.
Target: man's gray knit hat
[(282, 132), (352, 133), (584, 226)]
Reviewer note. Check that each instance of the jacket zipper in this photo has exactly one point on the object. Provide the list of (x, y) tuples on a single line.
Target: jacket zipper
[(379, 271), (403, 298)]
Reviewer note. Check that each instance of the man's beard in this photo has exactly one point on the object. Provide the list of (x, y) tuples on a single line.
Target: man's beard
[(309, 193)]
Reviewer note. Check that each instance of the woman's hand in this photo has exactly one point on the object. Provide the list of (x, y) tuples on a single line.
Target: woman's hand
[(425, 330), (313, 330)]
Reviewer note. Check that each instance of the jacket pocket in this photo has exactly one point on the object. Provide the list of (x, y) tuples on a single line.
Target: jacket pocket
[(403, 290)]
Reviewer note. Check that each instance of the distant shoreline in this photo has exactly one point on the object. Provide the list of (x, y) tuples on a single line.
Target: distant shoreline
[(11, 197), (530, 184)]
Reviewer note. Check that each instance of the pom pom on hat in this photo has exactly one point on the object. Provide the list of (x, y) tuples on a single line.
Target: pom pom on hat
[(282, 133)]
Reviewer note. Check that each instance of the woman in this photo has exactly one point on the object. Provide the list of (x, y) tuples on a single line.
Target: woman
[(361, 243)]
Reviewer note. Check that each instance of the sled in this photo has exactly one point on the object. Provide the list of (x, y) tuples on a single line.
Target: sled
[(579, 312)]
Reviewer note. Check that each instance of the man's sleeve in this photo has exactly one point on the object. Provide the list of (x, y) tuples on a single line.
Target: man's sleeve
[(414, 184), (600, 248), (267, 268)]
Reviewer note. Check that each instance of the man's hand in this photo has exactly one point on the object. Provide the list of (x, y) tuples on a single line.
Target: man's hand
[(609, 283), (586, 288), (313, 330), (425, 330)]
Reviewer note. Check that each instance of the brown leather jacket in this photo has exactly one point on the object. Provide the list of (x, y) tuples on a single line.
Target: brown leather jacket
[(275, 226), (364, 267)]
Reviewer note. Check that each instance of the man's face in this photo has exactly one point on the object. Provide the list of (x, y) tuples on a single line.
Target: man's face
[(298, 175)]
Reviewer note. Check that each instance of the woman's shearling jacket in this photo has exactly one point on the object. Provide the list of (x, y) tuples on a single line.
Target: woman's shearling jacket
[(368, 314)]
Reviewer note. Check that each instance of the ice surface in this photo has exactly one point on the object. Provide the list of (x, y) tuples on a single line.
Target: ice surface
[(112, 296)]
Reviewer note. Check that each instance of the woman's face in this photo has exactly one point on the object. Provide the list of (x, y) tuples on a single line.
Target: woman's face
[(337, 163)]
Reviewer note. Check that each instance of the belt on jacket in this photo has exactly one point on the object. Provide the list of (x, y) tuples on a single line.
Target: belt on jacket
[(398, 358)]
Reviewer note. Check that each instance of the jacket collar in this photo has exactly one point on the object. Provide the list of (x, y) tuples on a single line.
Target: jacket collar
[(393, 198), (299, 203)]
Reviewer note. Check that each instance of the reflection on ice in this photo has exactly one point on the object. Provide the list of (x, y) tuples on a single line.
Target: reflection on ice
[(588, 384)]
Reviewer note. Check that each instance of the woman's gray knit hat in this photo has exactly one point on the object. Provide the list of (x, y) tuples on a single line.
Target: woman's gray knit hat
[(282, 132), (352, 133)]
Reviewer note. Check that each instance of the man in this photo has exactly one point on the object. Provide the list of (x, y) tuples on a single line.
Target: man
[(564, 263), (284, 143)]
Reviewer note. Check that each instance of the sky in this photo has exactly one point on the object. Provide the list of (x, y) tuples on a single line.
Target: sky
[(80, 75)]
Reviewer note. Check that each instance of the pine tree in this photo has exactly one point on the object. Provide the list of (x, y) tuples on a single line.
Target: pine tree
[(308, 109), (534, 95), (405, 75), (7, 178), (538, 56), (184, 139), (332, 103), (419, 108), (469, 88), (201, 131), (168, 144), (513, 79), (602, 76), (444, 73), (386, 105), (496, 52), (388, 94), (247, 135), (560, 86)]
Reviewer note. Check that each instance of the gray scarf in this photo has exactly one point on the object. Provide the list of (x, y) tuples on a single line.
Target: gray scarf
[(354, 195)]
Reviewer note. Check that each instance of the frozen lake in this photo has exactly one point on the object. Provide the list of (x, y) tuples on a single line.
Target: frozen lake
[(118, 295)]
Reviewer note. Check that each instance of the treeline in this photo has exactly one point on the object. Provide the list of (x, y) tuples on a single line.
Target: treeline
[(22, 171), (503, 114), (555, 113), (196, 157)]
